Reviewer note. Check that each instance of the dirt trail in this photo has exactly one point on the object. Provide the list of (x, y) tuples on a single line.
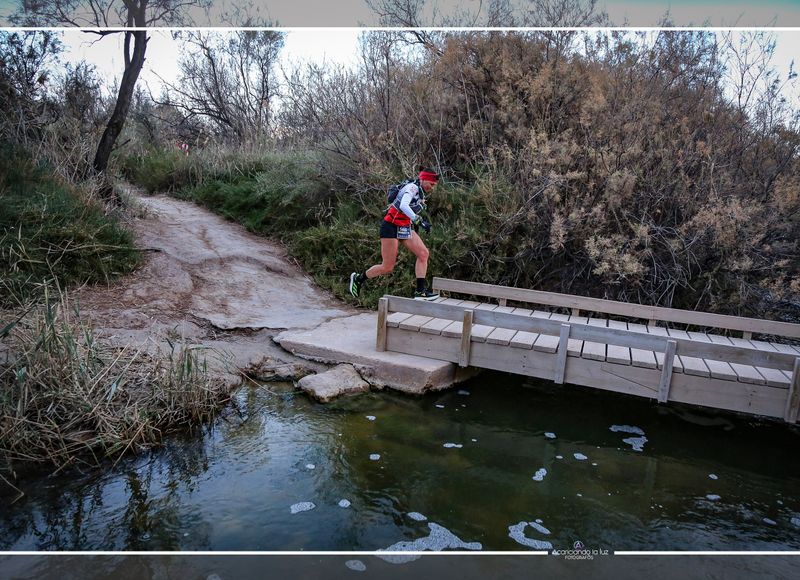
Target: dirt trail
[(211, 282)]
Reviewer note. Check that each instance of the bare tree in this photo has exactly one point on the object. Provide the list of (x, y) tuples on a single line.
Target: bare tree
[(229, 81), (129, 14), (488, 13)]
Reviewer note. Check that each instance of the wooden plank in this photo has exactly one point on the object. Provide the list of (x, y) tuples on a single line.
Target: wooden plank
[(414, 322), (502, 302), (546, 343), (574, 346), (506, 309), (692, 365), (453, 330), (677, 365), (486, 306), (523, 311), (466, 341), (561, 360), (620, 355), (383, 310), (639, 357), (524, 339), (666, 372), (718, 369), (620, 308), (395, 318), (595, 350), (793, 397), (435, 326), (480, 332), (501, 336), (452, 301)]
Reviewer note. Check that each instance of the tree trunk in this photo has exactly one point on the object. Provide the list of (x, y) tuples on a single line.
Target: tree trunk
[(133, 66)]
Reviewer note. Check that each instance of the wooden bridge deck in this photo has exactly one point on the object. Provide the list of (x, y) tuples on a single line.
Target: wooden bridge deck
[(632, 354)]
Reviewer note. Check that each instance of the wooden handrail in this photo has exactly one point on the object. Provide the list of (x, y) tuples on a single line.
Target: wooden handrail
[(702, 319)]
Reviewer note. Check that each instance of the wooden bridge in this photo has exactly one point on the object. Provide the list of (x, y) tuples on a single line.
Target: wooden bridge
[(637, 352)]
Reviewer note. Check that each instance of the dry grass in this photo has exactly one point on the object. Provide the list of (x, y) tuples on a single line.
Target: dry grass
[(68, 397)]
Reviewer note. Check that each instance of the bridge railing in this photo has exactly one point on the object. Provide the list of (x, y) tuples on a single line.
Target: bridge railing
[(653, 314)]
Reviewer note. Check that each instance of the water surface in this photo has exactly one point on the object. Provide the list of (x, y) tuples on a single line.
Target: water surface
[(499, 463)]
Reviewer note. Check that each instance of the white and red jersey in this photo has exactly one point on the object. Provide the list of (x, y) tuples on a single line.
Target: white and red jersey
[(409, 202)]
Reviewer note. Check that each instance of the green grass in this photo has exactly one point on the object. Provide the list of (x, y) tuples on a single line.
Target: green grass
[(52, 230)]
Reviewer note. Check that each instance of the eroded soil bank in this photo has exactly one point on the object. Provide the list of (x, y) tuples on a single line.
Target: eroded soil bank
[(206, 281)]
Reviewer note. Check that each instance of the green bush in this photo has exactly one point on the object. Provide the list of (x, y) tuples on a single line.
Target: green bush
[(53, 230)]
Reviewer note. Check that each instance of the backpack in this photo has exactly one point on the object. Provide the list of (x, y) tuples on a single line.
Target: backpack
[(393, 190)]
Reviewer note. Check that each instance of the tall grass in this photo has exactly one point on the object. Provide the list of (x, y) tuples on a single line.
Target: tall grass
[(51, 229), (69, 397)]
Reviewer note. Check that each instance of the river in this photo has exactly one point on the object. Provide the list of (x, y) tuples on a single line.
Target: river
[(498, 463)]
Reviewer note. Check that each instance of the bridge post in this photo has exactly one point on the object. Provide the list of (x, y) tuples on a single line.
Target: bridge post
[(466, 339), (793, 399), (383, 310), (666, 373), (561, 361)]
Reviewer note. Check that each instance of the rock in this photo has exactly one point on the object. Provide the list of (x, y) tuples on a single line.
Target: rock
[(270, 369), (340, 380)]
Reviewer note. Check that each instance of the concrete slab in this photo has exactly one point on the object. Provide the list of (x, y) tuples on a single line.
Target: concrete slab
[(351, 339), (341, 380)]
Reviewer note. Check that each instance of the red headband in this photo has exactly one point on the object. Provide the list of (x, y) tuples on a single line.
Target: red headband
[(428, 176)]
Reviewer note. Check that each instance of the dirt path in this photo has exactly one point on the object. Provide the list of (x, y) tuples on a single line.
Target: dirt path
[(210, 282)]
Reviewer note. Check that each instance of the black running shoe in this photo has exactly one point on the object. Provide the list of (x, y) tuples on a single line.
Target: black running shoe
[(425, 295), (355, 284)]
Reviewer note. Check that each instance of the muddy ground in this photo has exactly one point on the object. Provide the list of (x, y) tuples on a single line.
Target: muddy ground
[(207, 281)]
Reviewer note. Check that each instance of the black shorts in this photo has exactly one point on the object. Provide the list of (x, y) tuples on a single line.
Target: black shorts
[(389, 230)]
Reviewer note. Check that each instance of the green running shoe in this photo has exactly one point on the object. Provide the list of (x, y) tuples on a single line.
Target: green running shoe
[(425, 295), (355, 284)]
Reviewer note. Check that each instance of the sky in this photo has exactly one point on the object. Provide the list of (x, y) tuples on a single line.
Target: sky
[(331, 13)]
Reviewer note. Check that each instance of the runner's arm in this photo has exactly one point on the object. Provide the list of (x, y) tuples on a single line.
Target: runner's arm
[(406, 195)]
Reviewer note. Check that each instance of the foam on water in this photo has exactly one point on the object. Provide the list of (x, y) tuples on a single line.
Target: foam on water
[(580, 456), (440, 406), (713, 496), (795, 522), (416, 516), (343, 503), (712, 476), (517, 533), (559, 457), (463, 392), (626, 429), (770, 522), (453, 445), (375, 456), (540, 473), (303, 506), (440, 538), (370, 418), (356, 565), (550, 435), (637, 443), (310, 466)]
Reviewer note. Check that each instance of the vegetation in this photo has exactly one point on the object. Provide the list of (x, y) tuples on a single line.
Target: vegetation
[(51, 230), (634, 168), (68, 397)]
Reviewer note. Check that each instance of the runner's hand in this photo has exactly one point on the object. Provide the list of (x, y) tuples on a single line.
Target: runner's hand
[(425, 225)]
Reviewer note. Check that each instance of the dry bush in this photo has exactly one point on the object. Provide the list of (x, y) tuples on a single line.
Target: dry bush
[(69, 397)]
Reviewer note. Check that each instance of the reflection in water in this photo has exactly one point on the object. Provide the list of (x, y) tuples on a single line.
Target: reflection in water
[(491, 466)]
